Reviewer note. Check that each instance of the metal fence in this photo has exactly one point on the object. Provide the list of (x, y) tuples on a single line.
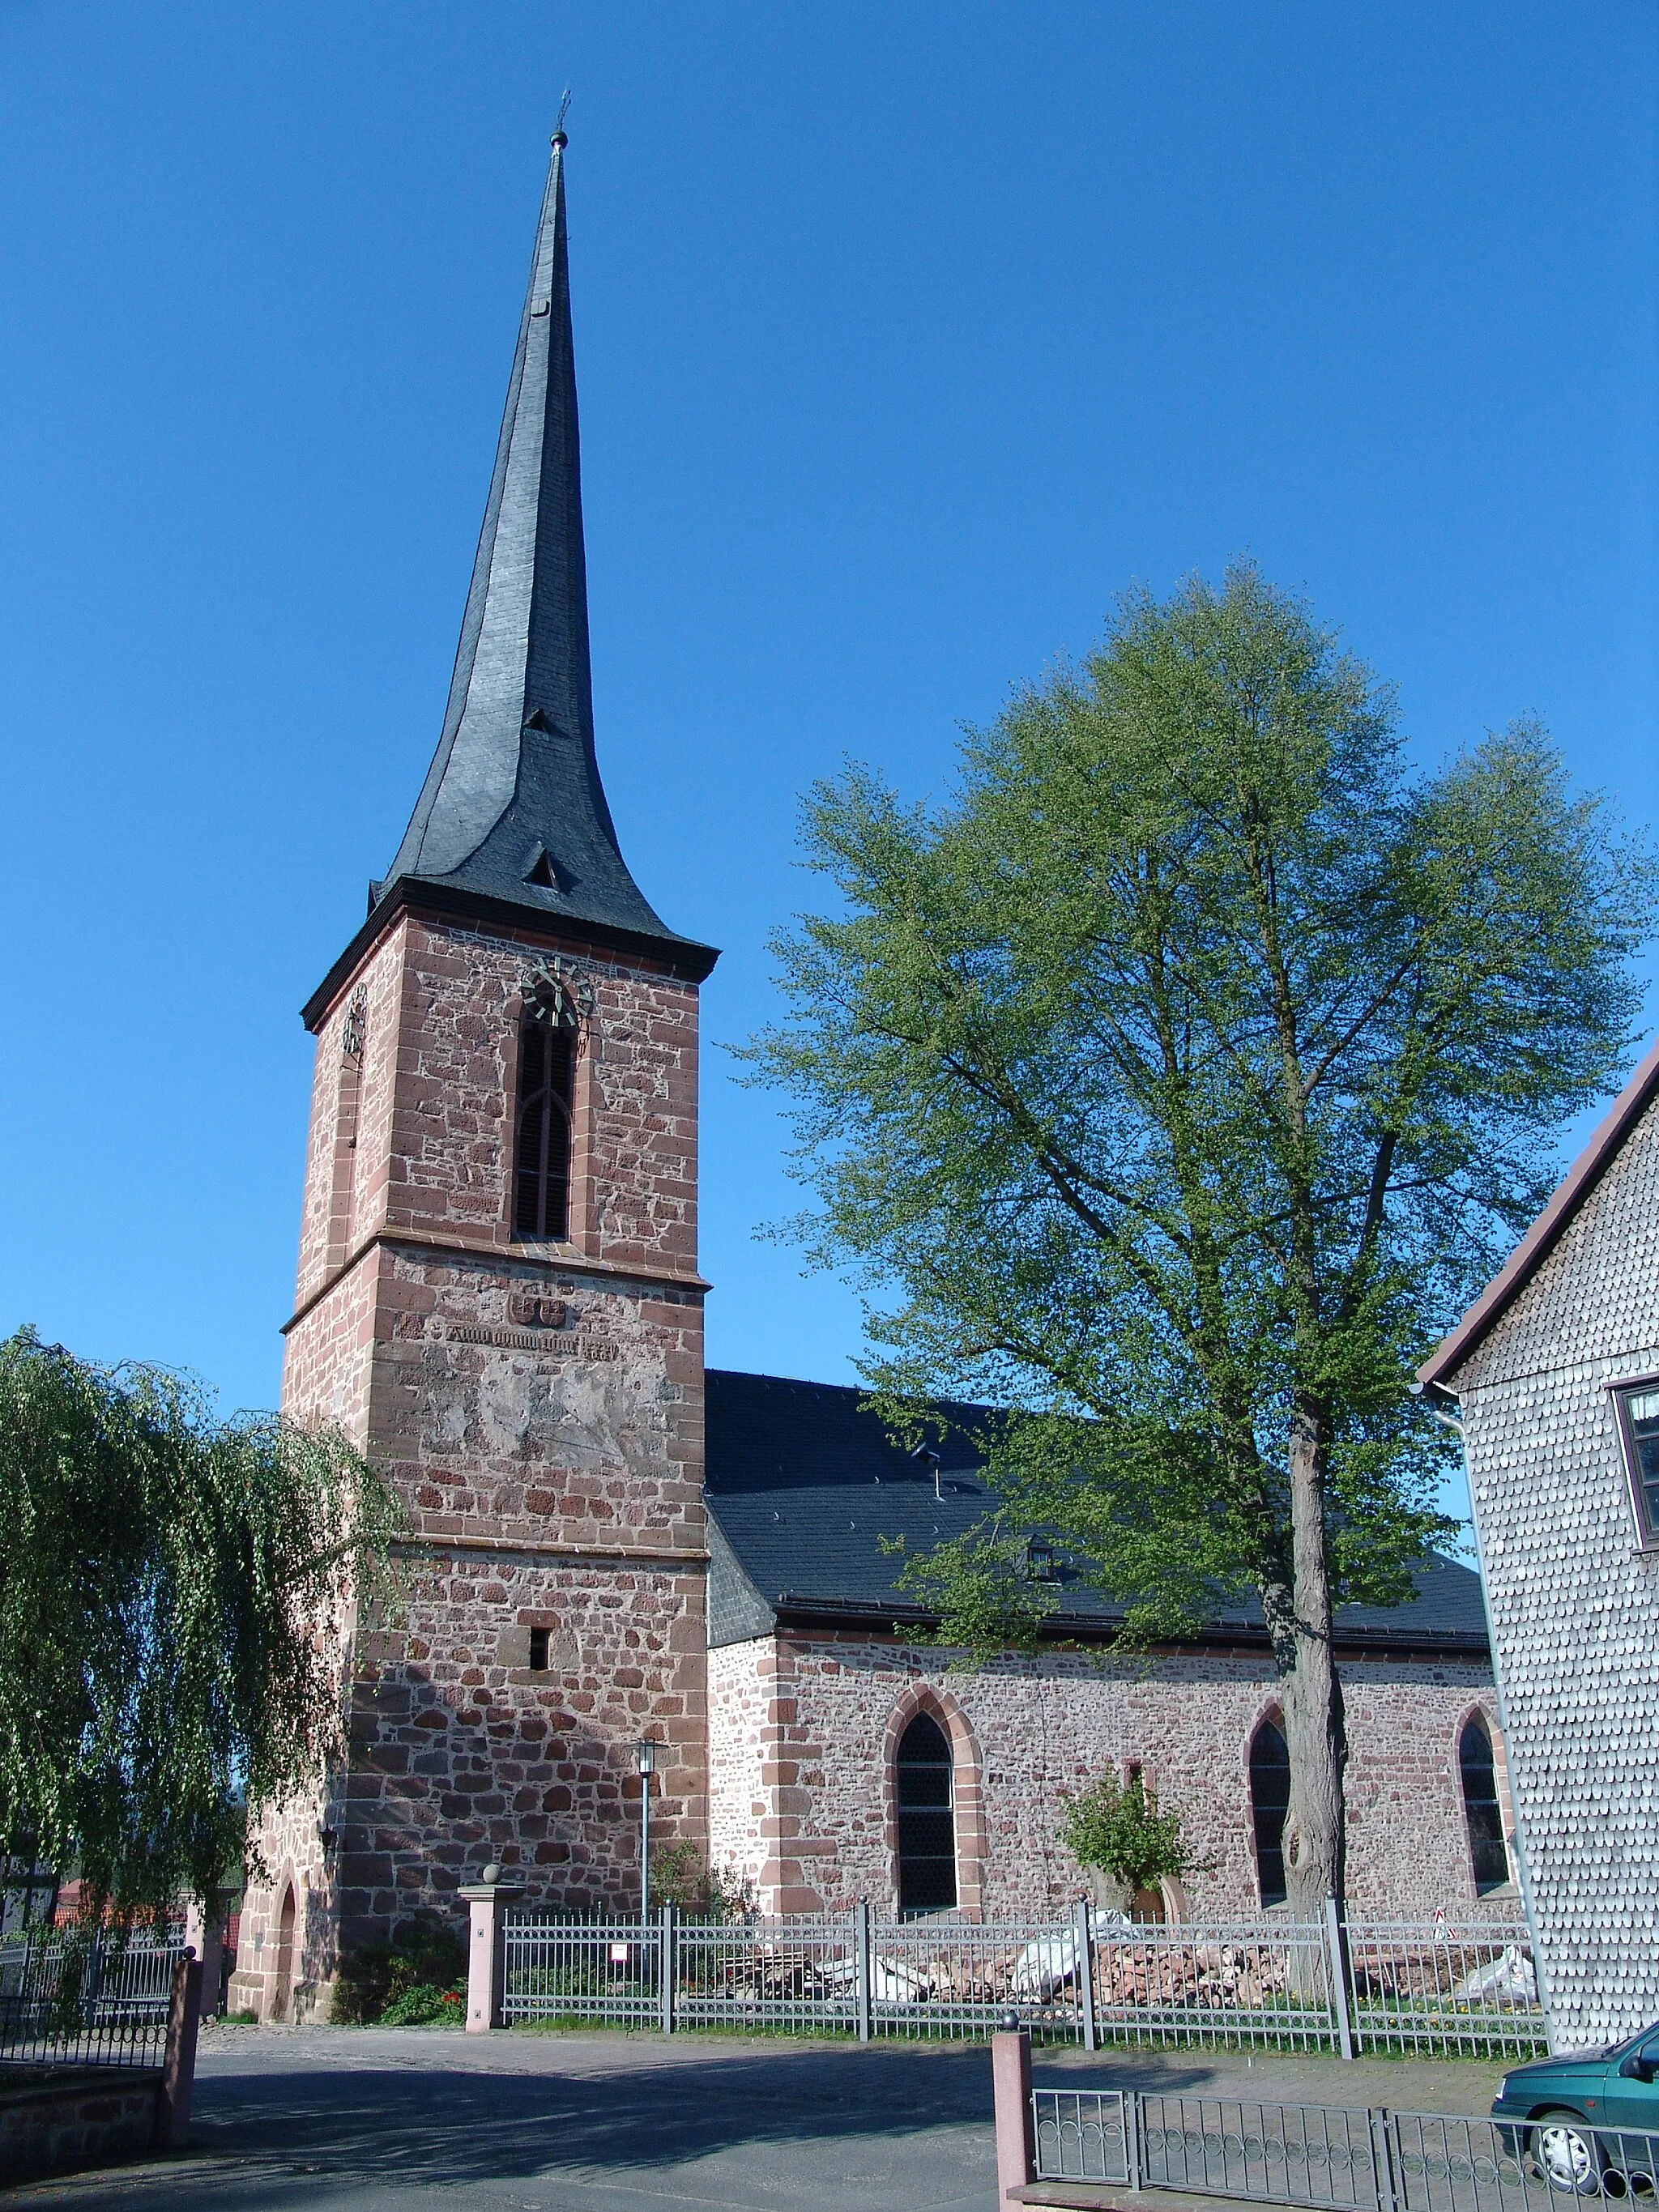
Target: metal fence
[(1263, 1985), (1467, 1987), (570, 1969), (1330, 2157), (801, 1975), (1093, 1978), (66, 1998)]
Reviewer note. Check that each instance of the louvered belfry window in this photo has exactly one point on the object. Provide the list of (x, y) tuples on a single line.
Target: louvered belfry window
[(540, 1178)]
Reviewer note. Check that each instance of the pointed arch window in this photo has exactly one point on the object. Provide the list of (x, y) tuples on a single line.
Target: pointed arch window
[(1481, 1809), (1270, 1802), (926, 1819), (541, 1173)]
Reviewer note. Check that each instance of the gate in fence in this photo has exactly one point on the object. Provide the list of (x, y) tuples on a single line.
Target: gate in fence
[(1327, 2157), (1267, 1984)]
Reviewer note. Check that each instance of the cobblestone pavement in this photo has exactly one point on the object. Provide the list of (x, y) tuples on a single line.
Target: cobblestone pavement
[(412, 2120)]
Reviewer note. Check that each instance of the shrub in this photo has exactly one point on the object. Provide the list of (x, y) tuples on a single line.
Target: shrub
[(424, 1953), (425, 2005), (1112, 1826)]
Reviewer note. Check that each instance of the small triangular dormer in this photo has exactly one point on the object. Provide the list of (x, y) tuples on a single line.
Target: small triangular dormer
[(542, 872)]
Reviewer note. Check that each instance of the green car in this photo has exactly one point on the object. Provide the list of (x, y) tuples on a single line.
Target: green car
[(1570, 2100)]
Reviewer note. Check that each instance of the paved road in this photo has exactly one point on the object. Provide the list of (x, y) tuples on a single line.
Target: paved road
[(412, 2120)]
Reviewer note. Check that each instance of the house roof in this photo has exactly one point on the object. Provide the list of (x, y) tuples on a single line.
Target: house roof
[(803, 1484), (1545, 1233), (513, 823)]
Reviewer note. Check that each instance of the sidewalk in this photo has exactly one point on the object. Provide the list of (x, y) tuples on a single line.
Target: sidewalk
[(1404, 2084), (426, 2120)]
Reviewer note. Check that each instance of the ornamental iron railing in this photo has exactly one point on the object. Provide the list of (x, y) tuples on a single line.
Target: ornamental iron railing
[(68, 1998), (1463, 1988), (1270, 1983), (582, 1969), (1337, 2159)]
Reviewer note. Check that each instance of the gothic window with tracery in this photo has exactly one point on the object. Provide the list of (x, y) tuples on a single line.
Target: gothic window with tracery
[(1270, 1802), (547, 1066), (1481, 1809), (926, 1819)]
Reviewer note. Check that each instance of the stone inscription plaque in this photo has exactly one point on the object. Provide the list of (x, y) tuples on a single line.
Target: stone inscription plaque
[(552, 1344)]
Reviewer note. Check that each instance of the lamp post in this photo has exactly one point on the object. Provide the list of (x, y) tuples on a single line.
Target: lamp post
[(645, 1758)]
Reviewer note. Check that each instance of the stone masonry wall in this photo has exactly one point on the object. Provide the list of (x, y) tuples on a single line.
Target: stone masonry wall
[(743, 1725), (78, 2115), (374, 997), (635, 1164), (802, 1788), (462, 1754), (539, 1408), (1574, 1603)]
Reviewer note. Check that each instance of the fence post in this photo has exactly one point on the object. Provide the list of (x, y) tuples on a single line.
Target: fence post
[(1131, 2135), (1011, 2083), (1383, 2157), (178, 2067), (1085, 1970), (666, 1966), (1336, 1965), (861, 1967), (486, 1953), (204, 1933)]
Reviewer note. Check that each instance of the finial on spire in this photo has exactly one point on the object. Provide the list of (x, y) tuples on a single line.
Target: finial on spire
[(559, 138)]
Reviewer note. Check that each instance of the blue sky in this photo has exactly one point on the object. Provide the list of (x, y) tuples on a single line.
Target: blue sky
[(907, 338)]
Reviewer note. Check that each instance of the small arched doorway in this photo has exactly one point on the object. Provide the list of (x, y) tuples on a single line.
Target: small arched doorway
[(282, 1997), (1270, 1803), (1482, 1812), (926, 1819)]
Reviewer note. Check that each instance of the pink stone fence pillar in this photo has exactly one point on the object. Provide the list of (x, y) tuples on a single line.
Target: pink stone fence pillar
[(485, 1954), (204, 1935), (1011, 2082), (179, 2066)]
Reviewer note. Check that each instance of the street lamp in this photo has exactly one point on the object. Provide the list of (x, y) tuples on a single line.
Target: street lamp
[(645, 1758)]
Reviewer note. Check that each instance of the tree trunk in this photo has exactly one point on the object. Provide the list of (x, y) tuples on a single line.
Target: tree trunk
[(1315, 1828)]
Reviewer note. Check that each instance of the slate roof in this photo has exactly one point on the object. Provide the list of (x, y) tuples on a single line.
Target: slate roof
[(802, 1486), (512, 822)]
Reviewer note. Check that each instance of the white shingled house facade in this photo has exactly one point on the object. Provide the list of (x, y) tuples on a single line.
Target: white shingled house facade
[(1554, 1375)]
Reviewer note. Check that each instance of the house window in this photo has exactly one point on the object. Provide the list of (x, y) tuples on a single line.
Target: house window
[(927, 1819), (1270, 1802), (1490, 1859), (538, 1651), (541, 1197), (1638, 1427)]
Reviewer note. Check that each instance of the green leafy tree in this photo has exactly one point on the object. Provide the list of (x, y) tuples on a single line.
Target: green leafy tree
[(1112, 1826), (1185, 1069), (173, 1595)]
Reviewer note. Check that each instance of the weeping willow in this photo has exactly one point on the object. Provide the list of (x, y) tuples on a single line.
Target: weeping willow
[(177, 1593)]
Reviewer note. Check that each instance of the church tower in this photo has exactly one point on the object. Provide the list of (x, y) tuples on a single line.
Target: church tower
[(498, 1290)]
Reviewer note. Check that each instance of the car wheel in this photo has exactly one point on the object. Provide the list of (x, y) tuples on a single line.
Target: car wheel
[(1565, 2150)]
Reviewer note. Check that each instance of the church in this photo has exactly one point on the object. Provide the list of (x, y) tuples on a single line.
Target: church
[(499, 1301)]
